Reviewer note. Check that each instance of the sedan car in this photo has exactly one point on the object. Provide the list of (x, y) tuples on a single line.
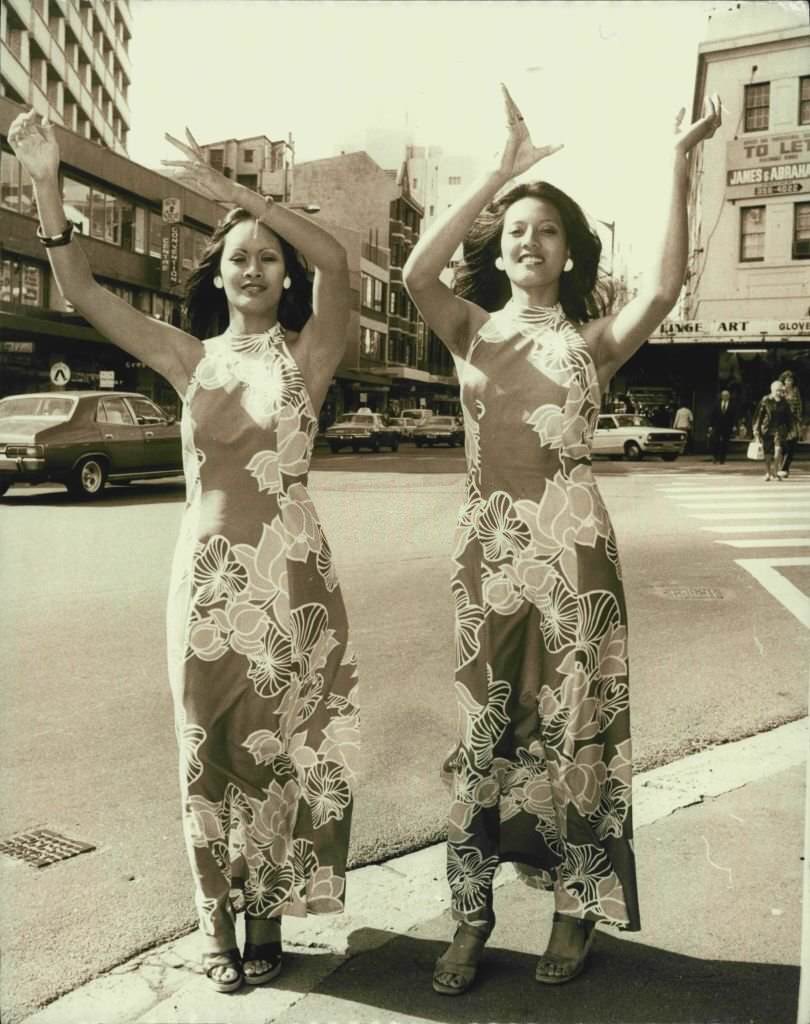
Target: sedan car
[(358, 430), (84, 438), (439, 430), (634, 437)]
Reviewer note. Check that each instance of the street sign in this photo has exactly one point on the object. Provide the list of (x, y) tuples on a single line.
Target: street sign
[(172, 210), (60, 373), (106, 378)]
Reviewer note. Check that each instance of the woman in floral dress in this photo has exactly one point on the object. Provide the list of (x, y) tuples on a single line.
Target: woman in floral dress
[(261, 671), (542, 773)]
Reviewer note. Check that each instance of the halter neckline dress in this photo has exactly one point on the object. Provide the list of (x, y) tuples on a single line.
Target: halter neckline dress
[(263, 678), (541, 774)]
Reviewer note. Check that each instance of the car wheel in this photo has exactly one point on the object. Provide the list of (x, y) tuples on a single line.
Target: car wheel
[(669, 457), (334, 448), (633, 451), (88, 479)]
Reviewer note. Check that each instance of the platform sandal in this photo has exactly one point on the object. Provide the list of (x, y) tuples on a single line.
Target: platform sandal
[(229, 958), (553, 969), (265, 952), (450, 966)]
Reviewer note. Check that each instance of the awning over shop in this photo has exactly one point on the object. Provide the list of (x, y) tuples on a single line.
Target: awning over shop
[(28, 326)]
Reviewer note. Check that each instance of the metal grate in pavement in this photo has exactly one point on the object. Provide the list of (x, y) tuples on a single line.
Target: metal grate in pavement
[(41, 847), (690, 593)]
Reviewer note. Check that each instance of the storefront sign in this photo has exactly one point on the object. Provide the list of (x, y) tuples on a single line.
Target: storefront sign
[(106, 378), (692, 331), (60, 373), (170, 257), (16, 346), (171, 210), (768, 165)]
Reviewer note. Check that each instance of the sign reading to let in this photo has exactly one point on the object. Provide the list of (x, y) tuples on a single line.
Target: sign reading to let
[(768, 165)]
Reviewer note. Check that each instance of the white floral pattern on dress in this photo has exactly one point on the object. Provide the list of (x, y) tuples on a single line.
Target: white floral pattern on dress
[(541, 634), (262, 672)]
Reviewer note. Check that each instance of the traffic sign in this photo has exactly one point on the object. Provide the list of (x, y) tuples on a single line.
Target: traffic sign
[(106, 378), (60, 373)]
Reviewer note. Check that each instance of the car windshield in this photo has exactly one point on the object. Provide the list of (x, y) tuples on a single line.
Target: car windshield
[(633, 421), (357, 421), (47, 406), (441, 421), (412, 416)]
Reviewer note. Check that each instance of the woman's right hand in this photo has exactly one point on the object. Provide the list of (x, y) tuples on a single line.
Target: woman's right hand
[(519, 152), (35, 145)]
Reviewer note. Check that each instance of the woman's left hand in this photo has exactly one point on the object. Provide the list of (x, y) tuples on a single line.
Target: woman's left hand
[(702, 129), (199, 174)]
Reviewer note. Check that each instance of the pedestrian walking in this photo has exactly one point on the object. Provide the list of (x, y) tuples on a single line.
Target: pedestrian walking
[(773, 423), (541, 774), (793, 398), (684, 420), (261, 671), (721, 424)]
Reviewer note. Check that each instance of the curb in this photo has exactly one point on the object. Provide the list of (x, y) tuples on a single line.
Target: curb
[(158, 987)]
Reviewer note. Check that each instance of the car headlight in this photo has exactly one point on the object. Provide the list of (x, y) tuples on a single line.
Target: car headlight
[(649, 438)]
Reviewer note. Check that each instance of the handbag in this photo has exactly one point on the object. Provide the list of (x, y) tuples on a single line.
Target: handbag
[(755, 450)]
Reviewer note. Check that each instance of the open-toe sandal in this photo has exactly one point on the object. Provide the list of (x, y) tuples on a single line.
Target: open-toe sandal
[(459, 974), (229, 958), (268, 953), (553, 969)]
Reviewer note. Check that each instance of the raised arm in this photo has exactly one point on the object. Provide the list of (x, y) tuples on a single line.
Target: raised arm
[(615, 338), (169, 351), (322, 341), (453, 319)]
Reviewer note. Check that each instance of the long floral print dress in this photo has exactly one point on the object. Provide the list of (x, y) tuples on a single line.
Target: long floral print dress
[(262, 674), (541, 775)]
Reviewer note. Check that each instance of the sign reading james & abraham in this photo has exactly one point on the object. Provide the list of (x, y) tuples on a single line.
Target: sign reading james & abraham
[(768, 165)]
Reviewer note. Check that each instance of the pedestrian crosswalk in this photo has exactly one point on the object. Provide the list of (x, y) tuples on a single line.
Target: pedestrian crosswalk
[(758, 513)]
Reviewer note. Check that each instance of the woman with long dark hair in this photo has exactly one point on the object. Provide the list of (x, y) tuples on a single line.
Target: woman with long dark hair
[(541, 772), (261, 671)]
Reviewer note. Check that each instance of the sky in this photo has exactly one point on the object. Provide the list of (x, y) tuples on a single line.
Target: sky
[(604, 78)]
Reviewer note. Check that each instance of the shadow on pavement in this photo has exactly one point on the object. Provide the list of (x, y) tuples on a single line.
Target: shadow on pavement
[(626, 982), (146, 493)]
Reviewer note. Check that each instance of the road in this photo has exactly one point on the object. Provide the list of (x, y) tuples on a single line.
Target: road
[(717, 568)]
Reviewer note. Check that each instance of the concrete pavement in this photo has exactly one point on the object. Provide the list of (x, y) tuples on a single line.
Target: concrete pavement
[(720, 848)]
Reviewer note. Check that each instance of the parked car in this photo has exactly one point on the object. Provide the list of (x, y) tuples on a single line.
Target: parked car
[(413, 418), (634, 437), (439, 430), (358, 430), (83, 438)]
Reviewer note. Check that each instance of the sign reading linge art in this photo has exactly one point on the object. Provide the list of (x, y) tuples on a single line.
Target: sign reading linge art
[(768, 165), (674, 331)]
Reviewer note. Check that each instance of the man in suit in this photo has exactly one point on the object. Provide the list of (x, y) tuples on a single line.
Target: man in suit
[(722, 426)]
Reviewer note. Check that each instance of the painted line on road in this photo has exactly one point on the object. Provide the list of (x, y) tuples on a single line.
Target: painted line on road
[(764, 570), (768, 542), (758, 527), (794, 507), (749, 515), (756, 491)]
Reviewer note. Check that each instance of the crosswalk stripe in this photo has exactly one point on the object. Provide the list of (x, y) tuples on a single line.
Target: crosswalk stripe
[(748, 515), (764, 570), (742, 506), (768, 542), (758, 527)]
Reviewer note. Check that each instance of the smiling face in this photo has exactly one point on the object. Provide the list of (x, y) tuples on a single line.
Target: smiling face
[(534, 248), (252, 270)]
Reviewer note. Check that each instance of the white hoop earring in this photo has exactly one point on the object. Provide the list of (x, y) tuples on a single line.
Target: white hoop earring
[(569, 265), (218, 281), (285, 284), (499, 263)]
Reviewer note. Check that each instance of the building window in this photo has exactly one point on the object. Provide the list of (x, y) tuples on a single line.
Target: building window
[(804, 100), (155, 235), (216, 158), (454, 179), (392, 302), (248, 156), (757, 101), (21, 283), (371, 342), (752, 233), (16, 188), (801, 231)]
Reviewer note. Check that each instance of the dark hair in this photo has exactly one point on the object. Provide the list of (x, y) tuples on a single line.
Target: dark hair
[(783, 376), (583, 295), (206, 307)]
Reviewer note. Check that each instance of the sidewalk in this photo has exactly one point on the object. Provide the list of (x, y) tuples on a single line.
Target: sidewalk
[(719, 844)]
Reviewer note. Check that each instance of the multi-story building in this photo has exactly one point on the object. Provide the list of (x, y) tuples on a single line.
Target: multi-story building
[(69, 59), (744, 314), (258, 162), (399, 365), (141, 232)]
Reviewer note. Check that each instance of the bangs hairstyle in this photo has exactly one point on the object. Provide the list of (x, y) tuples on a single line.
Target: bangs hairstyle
[(584, 293), (206, 307)]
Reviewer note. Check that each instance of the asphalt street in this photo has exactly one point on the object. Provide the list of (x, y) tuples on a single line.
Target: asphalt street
[(717, 570)]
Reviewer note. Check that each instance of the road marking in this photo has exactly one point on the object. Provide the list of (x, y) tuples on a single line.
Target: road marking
[(745, 506), (764, 570), (687, 492), (769, 542), (750, 515), (757, 527)]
